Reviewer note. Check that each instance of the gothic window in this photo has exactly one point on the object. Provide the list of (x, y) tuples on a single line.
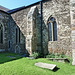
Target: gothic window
[(9, 44), (52, 29), (17, 35), (1, 33)]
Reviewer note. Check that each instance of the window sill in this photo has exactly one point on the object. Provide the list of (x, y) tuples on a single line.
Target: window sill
[(52, 41)]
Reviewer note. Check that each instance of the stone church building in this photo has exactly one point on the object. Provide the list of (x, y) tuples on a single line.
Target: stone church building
[(47, 26)]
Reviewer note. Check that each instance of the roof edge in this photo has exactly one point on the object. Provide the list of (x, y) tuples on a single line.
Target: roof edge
[(24, 7), (4, 12)]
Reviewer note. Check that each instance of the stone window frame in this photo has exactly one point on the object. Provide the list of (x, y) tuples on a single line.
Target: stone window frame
[(51, 22), (2, 34), (17, 35)]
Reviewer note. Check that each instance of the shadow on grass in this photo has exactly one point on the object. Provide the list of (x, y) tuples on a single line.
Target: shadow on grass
[(5, 61), (5, 57), (55, 69)]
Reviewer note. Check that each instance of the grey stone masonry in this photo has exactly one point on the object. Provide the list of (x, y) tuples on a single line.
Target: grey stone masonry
[(4, 21), (21, 30), (31, 30), (18, 22), (60, 10)]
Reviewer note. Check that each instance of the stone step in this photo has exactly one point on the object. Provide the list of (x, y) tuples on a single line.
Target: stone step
[(45, 65)]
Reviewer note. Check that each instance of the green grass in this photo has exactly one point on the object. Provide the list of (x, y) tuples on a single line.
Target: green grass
[(25, 66)]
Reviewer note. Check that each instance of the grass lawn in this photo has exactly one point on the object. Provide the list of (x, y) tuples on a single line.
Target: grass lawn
[(25, 66)]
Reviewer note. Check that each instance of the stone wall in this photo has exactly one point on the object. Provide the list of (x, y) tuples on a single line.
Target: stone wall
[(33, 39), (28, 20), (29, 23), (4, 21), (18, 20), (60, 10), (31, 30)]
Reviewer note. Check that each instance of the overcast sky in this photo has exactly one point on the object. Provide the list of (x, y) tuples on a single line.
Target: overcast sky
[(11, 4)]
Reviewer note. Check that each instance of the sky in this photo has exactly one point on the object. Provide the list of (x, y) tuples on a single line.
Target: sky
[(12, 4)]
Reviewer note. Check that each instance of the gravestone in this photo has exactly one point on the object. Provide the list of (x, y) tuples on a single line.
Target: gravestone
[(11, 56), (2, 50), (17, 49), (45, 65)]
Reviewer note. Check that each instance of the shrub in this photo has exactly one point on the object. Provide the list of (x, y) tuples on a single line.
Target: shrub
[(50, 56), (55, 55), (40, 55), (35, 55)]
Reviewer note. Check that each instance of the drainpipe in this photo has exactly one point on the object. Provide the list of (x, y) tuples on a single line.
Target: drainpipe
[(41, 27)]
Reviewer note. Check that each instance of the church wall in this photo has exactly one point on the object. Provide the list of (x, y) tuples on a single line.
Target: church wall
[(31, 38), (20, 19), (60, 10), (4, 21)]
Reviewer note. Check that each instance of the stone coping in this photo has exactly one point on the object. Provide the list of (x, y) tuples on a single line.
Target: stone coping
[(59, 59)]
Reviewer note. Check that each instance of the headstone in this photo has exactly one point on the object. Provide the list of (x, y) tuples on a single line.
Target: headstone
[(11, 56), (2, 50), (17, 49), (45, 65)]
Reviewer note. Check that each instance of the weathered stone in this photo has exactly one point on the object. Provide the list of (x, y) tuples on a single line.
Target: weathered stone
[(22, 29), (45, 65), (31, 38)]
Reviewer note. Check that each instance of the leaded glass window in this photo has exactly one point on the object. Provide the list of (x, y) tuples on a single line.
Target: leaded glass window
[(1, 33), (17, 35), (52, 29)]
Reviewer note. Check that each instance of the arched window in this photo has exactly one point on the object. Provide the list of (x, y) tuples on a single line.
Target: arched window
[(17, 35), (52, 29), (1, 33)]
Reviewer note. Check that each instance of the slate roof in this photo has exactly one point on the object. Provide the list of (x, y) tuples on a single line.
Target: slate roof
[(16, 9), (21, 8), (3, 8), (24, 7)]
